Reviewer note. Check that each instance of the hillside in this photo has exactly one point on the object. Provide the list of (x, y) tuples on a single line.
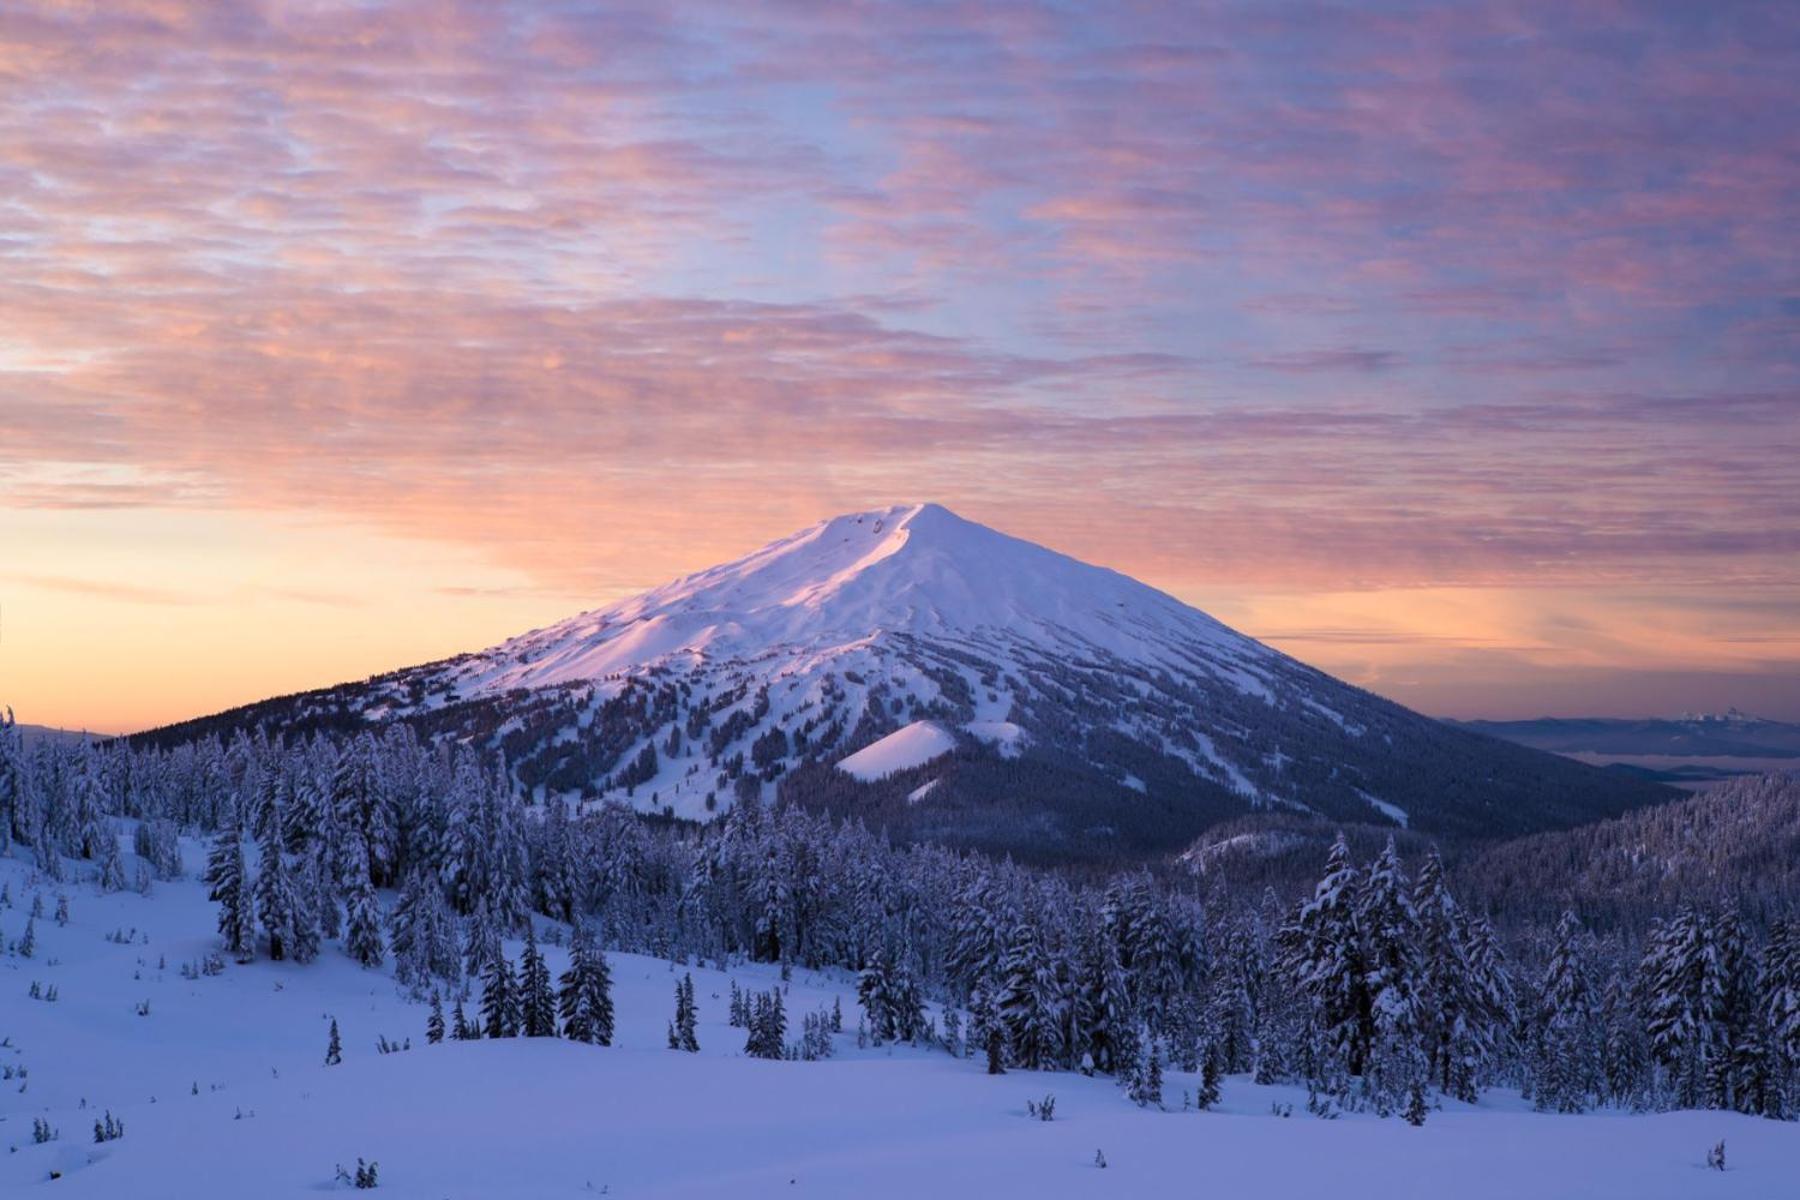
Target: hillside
[(222, 1092)]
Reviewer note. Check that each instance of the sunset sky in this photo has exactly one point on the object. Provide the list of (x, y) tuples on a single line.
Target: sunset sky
[(1452, 348)]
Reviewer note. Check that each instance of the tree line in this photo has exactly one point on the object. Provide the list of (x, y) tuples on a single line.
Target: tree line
[(1376, 991)]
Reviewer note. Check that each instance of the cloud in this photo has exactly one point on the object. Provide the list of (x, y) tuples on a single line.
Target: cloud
[(1302, 294)]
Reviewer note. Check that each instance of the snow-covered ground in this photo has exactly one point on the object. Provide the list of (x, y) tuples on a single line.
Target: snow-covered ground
[(223, 1093), (909, 746)]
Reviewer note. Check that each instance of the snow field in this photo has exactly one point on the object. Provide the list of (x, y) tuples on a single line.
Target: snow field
[(549, 1118)]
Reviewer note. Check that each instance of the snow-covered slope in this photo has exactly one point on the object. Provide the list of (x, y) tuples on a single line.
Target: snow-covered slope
[(913, 746), (223, 1094), (1130, 718), (920, 571)]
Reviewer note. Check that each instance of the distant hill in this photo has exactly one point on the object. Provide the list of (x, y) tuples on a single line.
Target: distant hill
[(35, 733)]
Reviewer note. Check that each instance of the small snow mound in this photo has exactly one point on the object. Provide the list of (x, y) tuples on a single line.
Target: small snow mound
[(1010, 739), (911, 746)]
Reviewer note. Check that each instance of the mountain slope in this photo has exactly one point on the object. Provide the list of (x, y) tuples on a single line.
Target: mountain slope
[(1086, 714)]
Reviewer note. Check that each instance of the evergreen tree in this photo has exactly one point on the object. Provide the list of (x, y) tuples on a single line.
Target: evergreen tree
[(1027, 1001), (460, 1028), (537, 1002), (1567, 1047), (275, 900), (873, 991), (1678, 1009), (1211, 1074), (334, 1049), (434, 1024), (229, 887), (500, 1017), (686, 1016), (1390, 933), (1324, 949), (1453, 1027), (1146, 1084), (585, 997), (362, 922)]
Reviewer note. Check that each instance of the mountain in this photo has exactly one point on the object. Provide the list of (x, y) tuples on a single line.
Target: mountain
[(30, 734), (1693, 735), (948, 681)]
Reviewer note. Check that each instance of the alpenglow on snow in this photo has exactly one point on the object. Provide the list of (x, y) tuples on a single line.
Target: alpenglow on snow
[(972, 685)]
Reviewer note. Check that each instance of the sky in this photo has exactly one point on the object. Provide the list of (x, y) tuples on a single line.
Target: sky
[(1452, 348)]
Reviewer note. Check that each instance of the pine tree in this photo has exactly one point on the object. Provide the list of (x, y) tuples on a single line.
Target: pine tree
[(362, 922), (1028, 1001), (500, 1016), (1677, 1008), (1324, 949), (275, 902), (537, 1003), (112, 866), (1211, 1074), (986, 1034), (873, 989), (334, 1049), (768, 1027), (1779, 987), (1416, 1108), (229, 887), (1453, 1027), (1146, 1084), (434, 1024), (1390, 934), (1567, 1046), (460, 1029), (686, 1016), (585, 998)]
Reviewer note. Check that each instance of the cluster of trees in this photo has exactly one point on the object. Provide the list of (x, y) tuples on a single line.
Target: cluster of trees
[(1376, 990)]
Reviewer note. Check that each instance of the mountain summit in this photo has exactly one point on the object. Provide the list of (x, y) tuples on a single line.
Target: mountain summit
[(949, 681), (914, 570)]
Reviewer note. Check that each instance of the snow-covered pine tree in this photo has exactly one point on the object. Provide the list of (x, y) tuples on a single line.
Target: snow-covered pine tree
[(585, 996), (1323, 947), (1677, 1009), (874, 991), (1028, 1001), (230, 889), (434, 1023), (275, 900), (1567, 1048), (1145, 1087), (1779, 987), (334, 1047), (1390, 933), (687, 1016), (460, 1028), (500, 1015), (1453, 1027), (112, 865), (537, 1004), (362, 915)]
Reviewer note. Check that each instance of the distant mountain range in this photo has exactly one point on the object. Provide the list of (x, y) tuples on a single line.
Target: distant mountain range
[(949, 681), (1704, 735), (35, 733)]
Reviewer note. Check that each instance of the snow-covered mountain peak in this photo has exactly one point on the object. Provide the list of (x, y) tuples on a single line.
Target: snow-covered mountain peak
[(916, 569), (995, 687)]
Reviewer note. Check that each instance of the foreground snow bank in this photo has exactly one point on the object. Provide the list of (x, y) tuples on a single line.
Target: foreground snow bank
[(224, 1095)]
